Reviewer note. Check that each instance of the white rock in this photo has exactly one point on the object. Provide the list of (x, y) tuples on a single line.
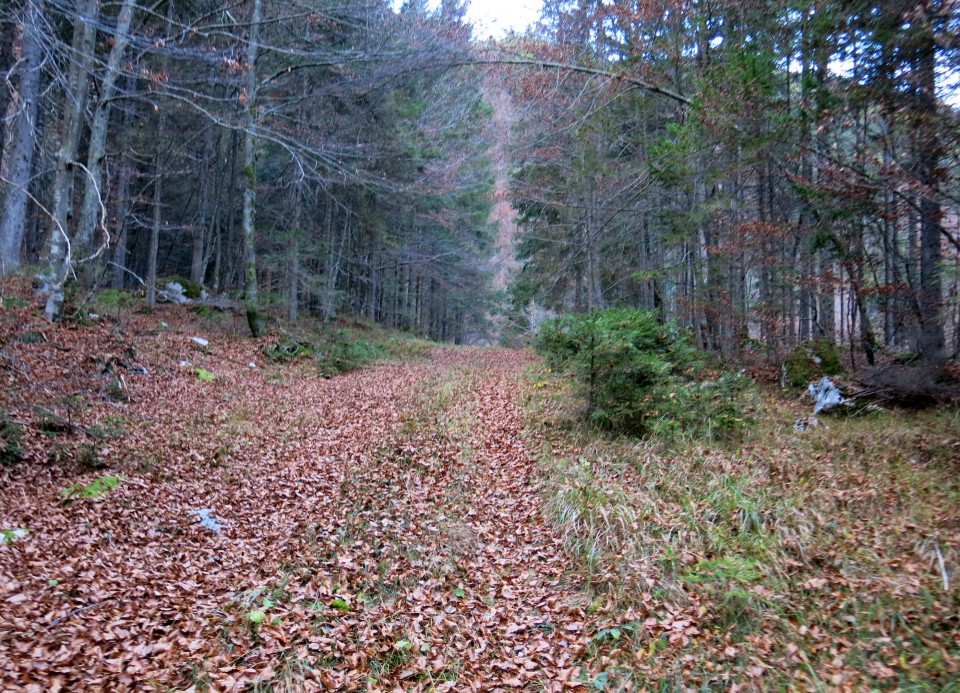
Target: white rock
[(826, 395), (207, 520)]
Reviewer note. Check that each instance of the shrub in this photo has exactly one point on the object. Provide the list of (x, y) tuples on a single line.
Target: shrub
[(711, 409), (637, 375), (343, 354), (10, 435)]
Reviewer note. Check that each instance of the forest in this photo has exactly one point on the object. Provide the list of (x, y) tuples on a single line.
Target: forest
[(765, 173), (344, 347)]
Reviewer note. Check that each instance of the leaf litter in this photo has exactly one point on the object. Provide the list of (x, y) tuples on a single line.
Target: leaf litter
[(378, 530)]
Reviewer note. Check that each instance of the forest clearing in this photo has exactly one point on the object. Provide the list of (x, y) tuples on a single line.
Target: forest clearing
[(443, 522)]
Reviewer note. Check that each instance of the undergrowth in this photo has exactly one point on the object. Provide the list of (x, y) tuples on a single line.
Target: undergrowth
[(640, 376), (815, 559), (337, 350)]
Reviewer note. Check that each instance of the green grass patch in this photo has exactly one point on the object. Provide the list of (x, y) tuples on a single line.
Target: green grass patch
[(108, 427), (97, 488)]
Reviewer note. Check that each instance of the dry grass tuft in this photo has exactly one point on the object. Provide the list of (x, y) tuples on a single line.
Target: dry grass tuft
[(823, 558)]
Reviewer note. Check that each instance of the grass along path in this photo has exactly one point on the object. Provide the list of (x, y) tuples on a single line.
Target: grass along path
[(822, 559)]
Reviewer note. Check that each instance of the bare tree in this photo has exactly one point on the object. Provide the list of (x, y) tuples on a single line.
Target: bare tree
[(16, 166)]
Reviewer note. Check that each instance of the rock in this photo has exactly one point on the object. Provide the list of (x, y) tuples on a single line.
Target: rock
[(173, 292), (826, 395), (207, 520), (190, 289)]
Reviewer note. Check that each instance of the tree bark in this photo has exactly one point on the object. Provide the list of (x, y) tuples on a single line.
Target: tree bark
[(932, 341), (123, 209), (58, 255), (197, 264), (155, 229), (93, 196), (294, 256), (250, 286), (20, 137)]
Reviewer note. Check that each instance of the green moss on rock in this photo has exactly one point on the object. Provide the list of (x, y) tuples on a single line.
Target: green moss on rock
[(811, 360)]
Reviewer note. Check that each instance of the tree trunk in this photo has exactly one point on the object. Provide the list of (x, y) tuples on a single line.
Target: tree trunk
[(155, 230), (58, 255), (123, 210), (157, 191), (924, 105), (20, 137), (197, 264), (251, 289), (93, 197), (294, 255)]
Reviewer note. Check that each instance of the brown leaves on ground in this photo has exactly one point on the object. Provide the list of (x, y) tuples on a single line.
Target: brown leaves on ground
[(380, 530)]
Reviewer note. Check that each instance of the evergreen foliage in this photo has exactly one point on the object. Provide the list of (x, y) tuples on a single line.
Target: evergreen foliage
[(10, 435), (641, 376)]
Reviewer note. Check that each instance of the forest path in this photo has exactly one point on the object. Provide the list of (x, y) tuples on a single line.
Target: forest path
[(381, 529), (450, 518)]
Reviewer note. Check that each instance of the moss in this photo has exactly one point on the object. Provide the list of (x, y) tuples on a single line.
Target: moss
[(811, 360), (254, 320), (98, 488), (31, 337), (114, 299)]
